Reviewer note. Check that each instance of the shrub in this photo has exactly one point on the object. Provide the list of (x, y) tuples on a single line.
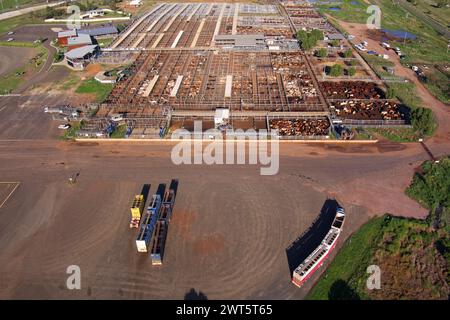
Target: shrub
[(347, 53), (423, 121), (336, 70), (322, 53), (351, 71), (308, 40)]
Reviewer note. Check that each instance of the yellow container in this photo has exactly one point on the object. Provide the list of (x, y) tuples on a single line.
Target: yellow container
[(137, 207)]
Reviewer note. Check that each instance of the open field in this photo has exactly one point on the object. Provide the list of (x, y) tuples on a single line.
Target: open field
[(13, 58), (8, 5), (214, 245), (6, 191)]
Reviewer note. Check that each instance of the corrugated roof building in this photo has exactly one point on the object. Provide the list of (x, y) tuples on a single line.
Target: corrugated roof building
[(79, 41), (240, 40), (64, 35), (98, 32), (77, 57)]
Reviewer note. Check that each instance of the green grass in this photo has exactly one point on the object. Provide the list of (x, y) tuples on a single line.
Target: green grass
[(348, 11), (432, 186), (13, 23), (363, 135), (11, 81), (93, 86), (8, 5), (429, 46), (105, 42), (412, 254), (396, 134), (438, 83), (21, 44), (70, 83), (351, 262), (406, 93), (391, 243), (439, 14), (72, 131), (119, 132)]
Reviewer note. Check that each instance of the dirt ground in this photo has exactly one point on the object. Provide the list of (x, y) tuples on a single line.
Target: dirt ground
[(13, 58), (228, 236), (230, 228)]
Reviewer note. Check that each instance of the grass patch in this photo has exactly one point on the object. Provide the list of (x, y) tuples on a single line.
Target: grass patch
[(432, 187), (391, 243), (71, 83), (71, 133), (406, 93), (13, 23), (119, 132), (413, 255), (11, 81), (105, 42), (351, 262), (396, 134), (18, 44), (8, 5), (363, 134), (346, 10), (91, 85)]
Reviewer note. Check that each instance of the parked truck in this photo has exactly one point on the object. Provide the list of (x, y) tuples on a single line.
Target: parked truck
[(158, 242), (137, 209), (148, 224)]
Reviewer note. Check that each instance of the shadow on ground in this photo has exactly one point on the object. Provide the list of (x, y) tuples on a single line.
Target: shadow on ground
[(304, 245), (193, 295), (340, 290)]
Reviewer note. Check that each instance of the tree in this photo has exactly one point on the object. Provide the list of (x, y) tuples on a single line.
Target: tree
[(316, 35), (351, 71), (335, 43), (422, 120), (308, 40), (336, 70), (50, 12), (322, 52), (347, 53)]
